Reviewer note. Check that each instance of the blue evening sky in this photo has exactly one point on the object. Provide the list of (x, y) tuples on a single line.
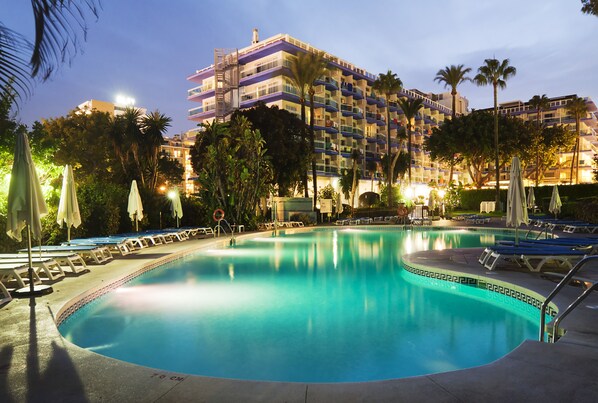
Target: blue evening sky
[(147, 49)]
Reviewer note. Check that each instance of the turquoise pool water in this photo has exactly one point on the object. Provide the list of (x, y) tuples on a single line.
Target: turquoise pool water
[(321, 306)]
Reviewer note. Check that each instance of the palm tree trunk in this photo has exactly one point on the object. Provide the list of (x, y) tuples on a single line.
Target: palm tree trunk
[(389, 177), (496, 154), (452, 164), (454, 94), (409, 151), (353, 188), (305, 180), (312, 140), (575, 151)]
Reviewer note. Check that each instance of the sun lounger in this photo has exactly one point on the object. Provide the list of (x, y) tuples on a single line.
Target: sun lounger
[(563, 257), (95, 253), (590, 245), (50, 267), (116, 244), (4, 295), (176, 234), (583, 227), (74, 261), (17, 272)]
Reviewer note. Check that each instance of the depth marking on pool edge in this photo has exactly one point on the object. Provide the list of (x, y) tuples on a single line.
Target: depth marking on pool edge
[(169, 378)]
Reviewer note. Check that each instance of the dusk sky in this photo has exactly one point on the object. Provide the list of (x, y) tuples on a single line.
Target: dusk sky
[(147, 49)]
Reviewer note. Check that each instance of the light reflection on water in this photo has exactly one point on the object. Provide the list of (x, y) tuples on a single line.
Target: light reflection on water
[(324, 306)]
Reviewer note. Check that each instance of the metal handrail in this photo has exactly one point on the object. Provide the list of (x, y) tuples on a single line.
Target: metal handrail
[(556, 290)]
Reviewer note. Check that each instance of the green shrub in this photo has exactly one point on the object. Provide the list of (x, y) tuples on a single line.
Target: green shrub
[(304, 218)]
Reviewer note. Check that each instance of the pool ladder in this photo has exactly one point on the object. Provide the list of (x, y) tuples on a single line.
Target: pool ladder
[(591, 284), (232, 231)]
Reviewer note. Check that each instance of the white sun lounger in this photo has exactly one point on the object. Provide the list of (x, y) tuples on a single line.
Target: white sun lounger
[(4, 295), (17, 272), (120, 245), (50, 267), (95, 253), (71, 259)]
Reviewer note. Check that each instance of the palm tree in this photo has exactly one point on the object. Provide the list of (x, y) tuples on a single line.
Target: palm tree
[(451, 77), (388, 84), (410, 108), (577, 108), (496, 73), (153, 127), (57, 27), (539, 103), (305, 69)]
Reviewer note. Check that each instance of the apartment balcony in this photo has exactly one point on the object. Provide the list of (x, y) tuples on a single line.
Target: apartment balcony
[(394, 106), (346, 110), (381, 138), (357, 112), (331, 105), (357, 133), (328, 82), (331, 149), (347, 131), (331, 127), (200, 91), (201, 110), (371, 138)]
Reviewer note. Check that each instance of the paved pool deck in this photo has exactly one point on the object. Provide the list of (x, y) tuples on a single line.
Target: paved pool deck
[(38, 365)]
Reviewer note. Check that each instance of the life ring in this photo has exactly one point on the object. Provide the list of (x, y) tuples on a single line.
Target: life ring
[(218, 214)]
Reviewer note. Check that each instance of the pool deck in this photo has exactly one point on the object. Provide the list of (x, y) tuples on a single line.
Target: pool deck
[(38, 365)]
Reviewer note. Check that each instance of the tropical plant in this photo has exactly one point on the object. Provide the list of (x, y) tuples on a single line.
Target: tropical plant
[(539, 104), (577, 108), (410, 108), (234, 172), (495, 73), (286, 144), (388, 84), (153, 128), (58, 25), (474, 133), (306, 68)]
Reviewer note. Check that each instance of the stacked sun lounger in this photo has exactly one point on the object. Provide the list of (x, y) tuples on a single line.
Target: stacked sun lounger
[(71, 260), (91, 253)]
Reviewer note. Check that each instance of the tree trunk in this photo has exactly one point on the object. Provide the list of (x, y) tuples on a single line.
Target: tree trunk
[(496, 155), (389, 177), (409, 149), (312, 141), (305, 180)]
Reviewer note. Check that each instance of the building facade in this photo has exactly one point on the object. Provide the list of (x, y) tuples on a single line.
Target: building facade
[(349, 114), (178, 148), (557, 114)]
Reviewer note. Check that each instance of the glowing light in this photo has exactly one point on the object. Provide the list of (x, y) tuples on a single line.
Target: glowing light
[(124, 100), (409, 193), (171, 194), (441, 193)]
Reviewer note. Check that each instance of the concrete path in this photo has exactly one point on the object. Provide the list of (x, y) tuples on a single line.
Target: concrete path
[(38, 365)]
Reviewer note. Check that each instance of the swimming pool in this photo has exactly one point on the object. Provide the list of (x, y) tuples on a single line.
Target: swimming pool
[(319, 306)]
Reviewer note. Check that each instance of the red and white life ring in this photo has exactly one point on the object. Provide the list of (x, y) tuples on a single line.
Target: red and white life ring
[(218, 214)]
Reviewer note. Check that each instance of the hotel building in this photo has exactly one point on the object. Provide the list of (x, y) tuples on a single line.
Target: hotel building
[(557, 114), (178, 148), (349, 114)]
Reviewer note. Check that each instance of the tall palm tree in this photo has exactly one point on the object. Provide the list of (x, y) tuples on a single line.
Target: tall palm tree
[(539, 104), (388, 84), (153, 127), (410, 108), (306, 68), (58, 25), (577, 108), (452, 76), (496, 73)]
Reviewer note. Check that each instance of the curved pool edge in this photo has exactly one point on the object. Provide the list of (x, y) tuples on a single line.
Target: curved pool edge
[(89, 376)]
